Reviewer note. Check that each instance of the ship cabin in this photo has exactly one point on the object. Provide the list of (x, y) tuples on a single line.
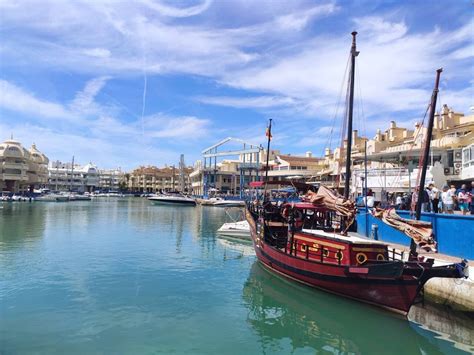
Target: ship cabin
[(311, 232)]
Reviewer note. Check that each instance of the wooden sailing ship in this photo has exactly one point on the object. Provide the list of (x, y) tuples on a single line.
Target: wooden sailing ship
[(309, 241)]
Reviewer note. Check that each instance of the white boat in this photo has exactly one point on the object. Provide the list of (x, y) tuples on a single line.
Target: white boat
[(172, 199), (229, 203), (209, 201), (75, 197), (238, 230), (52, 198)]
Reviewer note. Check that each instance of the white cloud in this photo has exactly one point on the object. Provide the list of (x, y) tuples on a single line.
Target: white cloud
[(175, 11), (15, 98), (84, 100), (185, 128), (379, 30), (299, 20), (92, 132), (97, 52), (247, 102), (270, 50)]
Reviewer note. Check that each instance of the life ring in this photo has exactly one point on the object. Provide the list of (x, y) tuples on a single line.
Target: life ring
[(325, 252), (339, 255), (380, 257), (361, 258), (304, 247)]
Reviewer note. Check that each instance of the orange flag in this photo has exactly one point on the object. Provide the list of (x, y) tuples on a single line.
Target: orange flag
[(268, 133)]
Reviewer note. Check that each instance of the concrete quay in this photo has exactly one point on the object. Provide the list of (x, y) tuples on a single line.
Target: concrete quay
[(457, 294)]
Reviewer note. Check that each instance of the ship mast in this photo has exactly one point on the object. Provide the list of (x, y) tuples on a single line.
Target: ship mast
[(426, 151), (269, 138), (354, 54)]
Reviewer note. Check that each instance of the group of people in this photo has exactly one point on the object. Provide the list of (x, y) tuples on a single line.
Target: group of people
[(447, 200)]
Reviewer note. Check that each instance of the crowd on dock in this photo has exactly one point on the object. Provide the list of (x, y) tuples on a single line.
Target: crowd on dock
[(447, 199)]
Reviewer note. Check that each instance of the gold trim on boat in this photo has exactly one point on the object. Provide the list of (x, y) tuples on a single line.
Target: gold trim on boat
[(375, 250), (337, 246)]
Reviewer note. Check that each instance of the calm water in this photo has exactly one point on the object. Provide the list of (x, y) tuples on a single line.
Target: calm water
[(125, 277)]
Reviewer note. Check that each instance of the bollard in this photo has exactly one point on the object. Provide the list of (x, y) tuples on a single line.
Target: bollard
[(375, 231)]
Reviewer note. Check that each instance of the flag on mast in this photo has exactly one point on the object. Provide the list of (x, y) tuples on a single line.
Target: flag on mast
[(268, 133)]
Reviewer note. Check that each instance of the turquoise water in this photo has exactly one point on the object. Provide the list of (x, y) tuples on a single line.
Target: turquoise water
[(121, 276)]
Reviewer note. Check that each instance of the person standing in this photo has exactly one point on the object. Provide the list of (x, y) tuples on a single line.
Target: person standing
[(463, 199), (455, 198), (434, 198), (447, 200), (471, 196), (426, 201), (399, 202)]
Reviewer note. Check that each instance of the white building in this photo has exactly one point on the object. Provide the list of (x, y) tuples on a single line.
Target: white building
[(66, 177), (468, 163), (111, 179)]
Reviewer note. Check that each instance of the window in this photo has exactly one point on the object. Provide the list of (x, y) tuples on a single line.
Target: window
[(450, 158)]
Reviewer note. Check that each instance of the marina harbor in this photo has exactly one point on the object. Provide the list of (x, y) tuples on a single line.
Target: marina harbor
[(235, 177)]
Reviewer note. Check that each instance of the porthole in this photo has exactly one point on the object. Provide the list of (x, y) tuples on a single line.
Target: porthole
[(361, 258)]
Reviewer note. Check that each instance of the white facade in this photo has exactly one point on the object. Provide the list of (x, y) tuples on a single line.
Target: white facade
[(111, 179), (467, 172), (65, 177)]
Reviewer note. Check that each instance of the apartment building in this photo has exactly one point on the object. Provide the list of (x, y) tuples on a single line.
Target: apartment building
[(73, 177), (21, 169), (153, 179)]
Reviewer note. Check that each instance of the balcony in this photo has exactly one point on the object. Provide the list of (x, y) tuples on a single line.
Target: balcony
[(15, 177), (13, 165)]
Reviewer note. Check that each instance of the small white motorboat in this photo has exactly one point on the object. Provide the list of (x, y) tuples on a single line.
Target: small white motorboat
[(229, 203), (238, 230), (172, 199)]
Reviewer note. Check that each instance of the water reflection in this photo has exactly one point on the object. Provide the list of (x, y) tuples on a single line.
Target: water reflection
[(30, 226), (279, 310), (444, 327)]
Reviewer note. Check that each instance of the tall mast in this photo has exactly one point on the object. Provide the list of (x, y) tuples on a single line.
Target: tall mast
[(269, 136), (354, 54), (426, 152), (72, 173), (181, 173)]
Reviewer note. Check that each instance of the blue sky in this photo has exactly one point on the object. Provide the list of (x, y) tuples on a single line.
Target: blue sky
[(125, 83)]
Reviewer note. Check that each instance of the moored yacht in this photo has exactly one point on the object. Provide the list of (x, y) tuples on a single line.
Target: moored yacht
[(172, 199)]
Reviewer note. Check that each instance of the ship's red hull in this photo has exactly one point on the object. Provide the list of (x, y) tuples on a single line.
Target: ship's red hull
[(394, 293)]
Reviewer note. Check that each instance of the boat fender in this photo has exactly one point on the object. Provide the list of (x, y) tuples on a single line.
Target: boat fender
[(361, 258)]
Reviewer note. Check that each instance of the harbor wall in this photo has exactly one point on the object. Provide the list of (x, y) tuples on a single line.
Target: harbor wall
[(454, 233)]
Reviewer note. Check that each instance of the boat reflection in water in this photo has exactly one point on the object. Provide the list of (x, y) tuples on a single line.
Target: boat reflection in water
[(280, 310)]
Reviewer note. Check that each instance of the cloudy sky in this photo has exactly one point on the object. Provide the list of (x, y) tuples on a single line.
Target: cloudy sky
[(125, 83)]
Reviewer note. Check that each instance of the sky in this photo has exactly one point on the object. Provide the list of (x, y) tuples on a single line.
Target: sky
[(129, 83)]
